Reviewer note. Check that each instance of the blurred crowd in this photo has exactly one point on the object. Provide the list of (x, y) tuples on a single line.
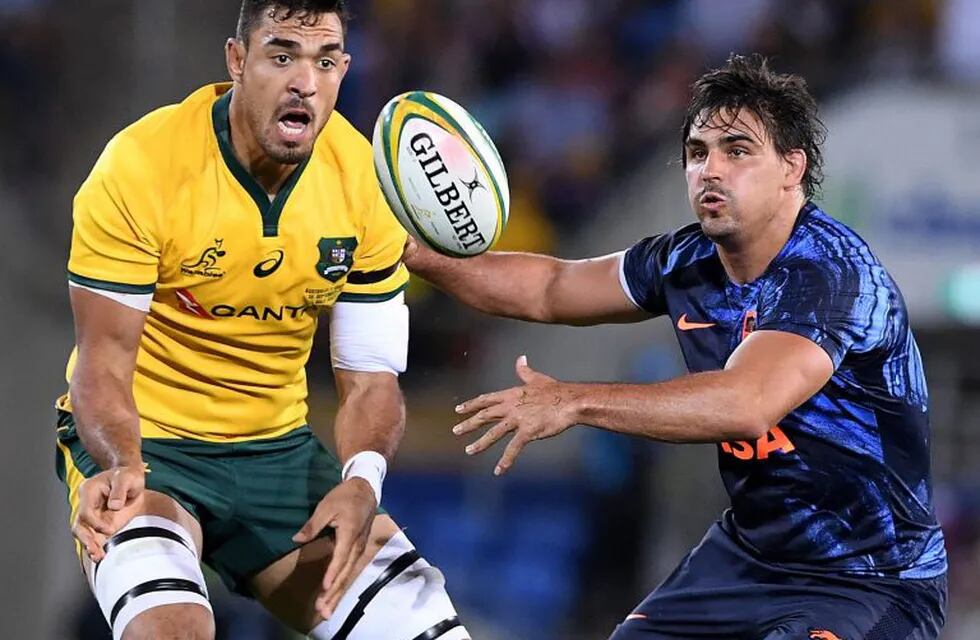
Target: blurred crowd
[(578, 93)]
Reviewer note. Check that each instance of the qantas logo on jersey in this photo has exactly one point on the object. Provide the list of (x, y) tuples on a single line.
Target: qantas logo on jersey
[(282, 312), (207, 264), (336, 257), (187, 303)]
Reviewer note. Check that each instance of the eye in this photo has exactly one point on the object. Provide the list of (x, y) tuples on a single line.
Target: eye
[(696, 153), (281, 59), (327, 63), (738, 152)]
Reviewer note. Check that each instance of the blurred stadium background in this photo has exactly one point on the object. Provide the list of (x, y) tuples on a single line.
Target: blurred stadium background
[(584, 99)]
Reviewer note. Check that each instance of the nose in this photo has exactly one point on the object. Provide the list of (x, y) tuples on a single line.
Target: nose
[(712, 170), (302, 83)]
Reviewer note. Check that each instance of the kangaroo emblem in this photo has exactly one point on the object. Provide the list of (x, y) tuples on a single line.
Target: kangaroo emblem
[(206, 265), (209, 258)]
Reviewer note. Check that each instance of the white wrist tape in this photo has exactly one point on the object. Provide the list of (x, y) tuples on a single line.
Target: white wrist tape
[(369, 465)]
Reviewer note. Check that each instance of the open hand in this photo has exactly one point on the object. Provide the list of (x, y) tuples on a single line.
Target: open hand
[(540, 408)]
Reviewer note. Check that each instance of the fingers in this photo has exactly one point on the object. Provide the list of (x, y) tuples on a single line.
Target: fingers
[(480, 418), (483, 401), (312, 528), (528, 375), (514, 448), (523, 371), (492, 435), (92, 496), (332, 595), (91, 542), (122, 489), (344, 554)]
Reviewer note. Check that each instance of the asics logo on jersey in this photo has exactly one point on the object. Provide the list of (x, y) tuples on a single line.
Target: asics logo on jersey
[(268, 266), (206, 265), (823, 634), (686, 325)]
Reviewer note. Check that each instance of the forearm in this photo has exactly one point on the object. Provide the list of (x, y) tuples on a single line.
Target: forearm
[(371, 417), (512, 285), (705, 407), (106, 418)]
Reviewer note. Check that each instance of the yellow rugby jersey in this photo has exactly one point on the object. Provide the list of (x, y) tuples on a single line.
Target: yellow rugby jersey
[(237, 280)]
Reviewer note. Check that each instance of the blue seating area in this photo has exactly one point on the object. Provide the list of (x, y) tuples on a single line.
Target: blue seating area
[(512, 554)]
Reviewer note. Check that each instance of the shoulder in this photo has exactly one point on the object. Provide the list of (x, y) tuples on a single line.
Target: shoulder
[(163, 141), (826, 248), (672, 251), (343, 148)]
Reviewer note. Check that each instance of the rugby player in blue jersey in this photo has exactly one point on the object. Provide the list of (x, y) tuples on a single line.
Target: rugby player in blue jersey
[(803, 370)]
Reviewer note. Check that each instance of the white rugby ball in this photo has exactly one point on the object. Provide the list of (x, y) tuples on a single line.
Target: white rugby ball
[(441, 174)]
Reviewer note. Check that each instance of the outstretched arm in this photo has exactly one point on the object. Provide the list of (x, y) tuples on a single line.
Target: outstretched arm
[(770, 374), (529, 286)]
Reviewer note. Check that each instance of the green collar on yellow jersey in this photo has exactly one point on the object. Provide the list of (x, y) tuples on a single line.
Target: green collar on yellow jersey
[(270, 210)]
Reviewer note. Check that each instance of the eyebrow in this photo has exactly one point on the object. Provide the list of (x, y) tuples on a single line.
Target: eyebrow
[(730, 138), (292, 45)]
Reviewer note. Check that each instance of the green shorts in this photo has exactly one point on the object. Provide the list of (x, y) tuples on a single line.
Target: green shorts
[(250, 497)]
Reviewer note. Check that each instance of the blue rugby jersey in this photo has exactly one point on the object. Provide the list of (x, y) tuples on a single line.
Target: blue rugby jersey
[(843, 482)]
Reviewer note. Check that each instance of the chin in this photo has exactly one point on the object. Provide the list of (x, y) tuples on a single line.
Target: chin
[(285, 154), (718, 230)]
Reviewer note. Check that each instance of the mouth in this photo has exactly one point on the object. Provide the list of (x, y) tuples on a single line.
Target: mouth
[(712, 201), (294, 124)]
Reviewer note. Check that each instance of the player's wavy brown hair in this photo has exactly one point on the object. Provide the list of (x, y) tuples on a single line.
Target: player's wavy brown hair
[(308, 11), (782, 102)]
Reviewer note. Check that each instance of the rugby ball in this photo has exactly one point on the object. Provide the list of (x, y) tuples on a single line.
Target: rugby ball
[(441, 174)]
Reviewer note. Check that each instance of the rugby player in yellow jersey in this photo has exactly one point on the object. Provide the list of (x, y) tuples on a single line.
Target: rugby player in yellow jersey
[(207, 239)]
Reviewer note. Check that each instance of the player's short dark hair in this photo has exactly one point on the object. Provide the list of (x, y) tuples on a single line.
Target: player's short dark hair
[(782, 102), (281, 10)]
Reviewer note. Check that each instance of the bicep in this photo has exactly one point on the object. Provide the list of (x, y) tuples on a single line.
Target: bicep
[(107, 332), (586, 292), (779, 371)]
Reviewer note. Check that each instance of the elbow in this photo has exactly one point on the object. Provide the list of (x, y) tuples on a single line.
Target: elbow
[(749, 418), (748, 426)]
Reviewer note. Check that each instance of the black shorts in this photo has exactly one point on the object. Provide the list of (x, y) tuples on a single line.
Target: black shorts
[(720, 590)]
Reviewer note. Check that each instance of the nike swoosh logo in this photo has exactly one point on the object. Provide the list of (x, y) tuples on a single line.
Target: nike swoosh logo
[(686, 325)]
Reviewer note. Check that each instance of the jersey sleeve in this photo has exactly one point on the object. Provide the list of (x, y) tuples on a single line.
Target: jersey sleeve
[(377, 273), (842, 305), (641, 273), (114, 245)]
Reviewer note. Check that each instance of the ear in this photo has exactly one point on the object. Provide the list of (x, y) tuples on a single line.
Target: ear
[(344, 65), (235, 59), (794, 163)]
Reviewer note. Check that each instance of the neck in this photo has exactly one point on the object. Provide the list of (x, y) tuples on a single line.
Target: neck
[(746, 260), (268, 173)]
